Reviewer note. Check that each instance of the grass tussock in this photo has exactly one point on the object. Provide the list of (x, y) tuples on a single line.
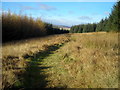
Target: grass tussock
[(87, 60), (14, 60)]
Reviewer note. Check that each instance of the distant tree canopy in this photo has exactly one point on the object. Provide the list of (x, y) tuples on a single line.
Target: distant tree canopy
[(17, 27), (83, 28), (112, 23), (50, 30)]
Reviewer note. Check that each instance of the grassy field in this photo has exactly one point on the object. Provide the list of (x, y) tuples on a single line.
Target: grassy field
[(88, 60)]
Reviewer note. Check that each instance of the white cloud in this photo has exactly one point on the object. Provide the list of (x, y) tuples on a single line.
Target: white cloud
[(107, 13), (71, 12), (65, 21), (85, 18), (46, 7), (24, 8)]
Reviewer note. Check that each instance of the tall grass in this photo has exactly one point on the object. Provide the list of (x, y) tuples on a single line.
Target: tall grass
[(13, 62), (15, 27), (88, 60)]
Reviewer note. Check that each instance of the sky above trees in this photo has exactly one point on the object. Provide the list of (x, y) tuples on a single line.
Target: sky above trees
[(62, 13)]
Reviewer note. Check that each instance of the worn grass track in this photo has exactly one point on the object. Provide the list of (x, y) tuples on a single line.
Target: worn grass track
[(34, 75), (22, 60), (77, 61)]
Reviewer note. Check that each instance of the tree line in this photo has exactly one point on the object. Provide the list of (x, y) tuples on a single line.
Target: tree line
[(17, 27), (110, 24), (50, 30)]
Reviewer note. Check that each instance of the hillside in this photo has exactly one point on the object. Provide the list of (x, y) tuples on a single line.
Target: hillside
[(62, 27), (87, 60)]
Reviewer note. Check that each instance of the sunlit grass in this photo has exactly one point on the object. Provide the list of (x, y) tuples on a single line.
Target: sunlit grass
[(14, 62), (81, 61), (87, 61)]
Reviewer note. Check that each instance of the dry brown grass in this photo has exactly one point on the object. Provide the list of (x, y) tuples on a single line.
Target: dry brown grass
[(12, 55), (87, 61)]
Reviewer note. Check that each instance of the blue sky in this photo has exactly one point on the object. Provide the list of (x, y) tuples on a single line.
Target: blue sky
[(62, 13)]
